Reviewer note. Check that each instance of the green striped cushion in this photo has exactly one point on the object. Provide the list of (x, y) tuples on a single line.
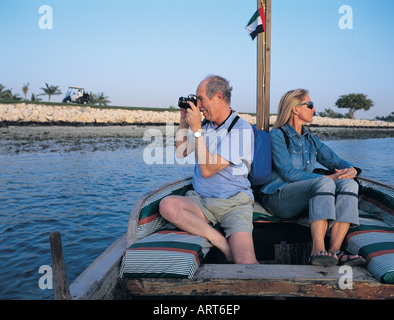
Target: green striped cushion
[(167, 253), (150, 220), (374, 238), (260, 215), (377, 203), (374, 241)]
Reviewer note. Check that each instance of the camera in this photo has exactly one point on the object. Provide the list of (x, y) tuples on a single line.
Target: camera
[(183, 101)]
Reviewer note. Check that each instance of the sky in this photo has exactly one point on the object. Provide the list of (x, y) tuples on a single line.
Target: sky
[(149, 53)]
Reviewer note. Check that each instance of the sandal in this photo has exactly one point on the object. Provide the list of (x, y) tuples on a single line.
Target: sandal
[(358, 261), (318, 259)]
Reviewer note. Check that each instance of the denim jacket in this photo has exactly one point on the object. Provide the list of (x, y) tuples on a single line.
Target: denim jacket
[(297, 162)]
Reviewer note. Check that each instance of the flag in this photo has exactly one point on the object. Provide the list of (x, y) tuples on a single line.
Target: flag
[(257, 23)]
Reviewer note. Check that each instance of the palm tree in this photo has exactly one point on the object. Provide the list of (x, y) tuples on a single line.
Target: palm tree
[(50, 91), (8, 95), (34, 98), (101, 98), (2, 91), (25, 88), (92, 97)]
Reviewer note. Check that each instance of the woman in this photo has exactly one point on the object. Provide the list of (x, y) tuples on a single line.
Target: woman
[(332, 199)]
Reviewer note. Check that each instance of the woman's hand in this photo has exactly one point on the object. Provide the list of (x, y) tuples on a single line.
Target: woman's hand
[(348, 173)]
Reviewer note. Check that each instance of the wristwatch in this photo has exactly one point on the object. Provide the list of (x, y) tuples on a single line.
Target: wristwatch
[(197, 134)]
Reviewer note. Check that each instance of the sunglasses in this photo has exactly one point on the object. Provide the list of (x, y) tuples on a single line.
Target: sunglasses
[(308, 104)]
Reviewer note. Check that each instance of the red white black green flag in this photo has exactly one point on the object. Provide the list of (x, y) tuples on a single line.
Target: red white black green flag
[(257, 23)]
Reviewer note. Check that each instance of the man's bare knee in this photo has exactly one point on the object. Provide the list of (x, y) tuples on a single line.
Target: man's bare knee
[(167, 207)]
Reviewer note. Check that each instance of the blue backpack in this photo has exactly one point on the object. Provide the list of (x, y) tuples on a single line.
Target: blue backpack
[(260, 171)]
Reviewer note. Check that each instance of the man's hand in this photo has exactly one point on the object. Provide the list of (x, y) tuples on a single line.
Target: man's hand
[(193, 117)]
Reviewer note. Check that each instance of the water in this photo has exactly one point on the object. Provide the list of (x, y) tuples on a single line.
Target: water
[(87, 193), (373, 156)]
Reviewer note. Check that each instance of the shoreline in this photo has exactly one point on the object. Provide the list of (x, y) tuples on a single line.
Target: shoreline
[(39, 121), (49, 132)]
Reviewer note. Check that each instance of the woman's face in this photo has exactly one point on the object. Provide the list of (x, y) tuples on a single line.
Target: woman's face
[(305, 109)]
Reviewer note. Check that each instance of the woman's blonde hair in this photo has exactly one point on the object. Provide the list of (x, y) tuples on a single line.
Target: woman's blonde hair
[(286, 104)]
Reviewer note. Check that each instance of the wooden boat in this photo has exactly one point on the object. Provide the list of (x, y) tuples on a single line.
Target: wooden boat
[(281, 247), (101, 280)]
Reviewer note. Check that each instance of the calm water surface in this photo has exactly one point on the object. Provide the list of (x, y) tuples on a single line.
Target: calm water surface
[(87, 194)]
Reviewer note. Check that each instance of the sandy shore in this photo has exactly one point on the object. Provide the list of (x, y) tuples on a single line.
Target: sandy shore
[(40, 133), (53, 132), (27, 114), (45, 122)]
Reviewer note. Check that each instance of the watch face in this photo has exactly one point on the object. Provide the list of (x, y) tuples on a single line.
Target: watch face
[(197, 134)]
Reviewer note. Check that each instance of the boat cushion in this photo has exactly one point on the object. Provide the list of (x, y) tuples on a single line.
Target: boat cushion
[(374, 238), (168, 252), (150, 220), (163, 251)]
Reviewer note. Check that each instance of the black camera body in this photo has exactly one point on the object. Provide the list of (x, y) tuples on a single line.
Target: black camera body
[(183, 101)]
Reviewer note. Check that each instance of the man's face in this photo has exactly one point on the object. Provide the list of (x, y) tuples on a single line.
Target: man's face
[(207, 106)]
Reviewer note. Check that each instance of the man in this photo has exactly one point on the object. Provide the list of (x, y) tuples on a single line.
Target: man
[(222, 192)]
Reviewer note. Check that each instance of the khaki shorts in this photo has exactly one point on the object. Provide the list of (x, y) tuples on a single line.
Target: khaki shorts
[(234, 214)]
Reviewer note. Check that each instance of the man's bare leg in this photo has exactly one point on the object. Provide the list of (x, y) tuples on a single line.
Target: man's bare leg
[(185, 214), (242, 248)]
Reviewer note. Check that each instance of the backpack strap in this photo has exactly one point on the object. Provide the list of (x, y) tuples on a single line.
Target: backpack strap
[(286, 137), (232, 124), (204, 122)]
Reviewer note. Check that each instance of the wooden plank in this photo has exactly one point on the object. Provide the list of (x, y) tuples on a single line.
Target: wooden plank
[(263, 70), (62, 291), (267, 66), (263, 88), (265, 280)]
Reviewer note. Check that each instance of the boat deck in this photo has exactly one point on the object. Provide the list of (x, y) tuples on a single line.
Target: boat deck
[(266, 280)]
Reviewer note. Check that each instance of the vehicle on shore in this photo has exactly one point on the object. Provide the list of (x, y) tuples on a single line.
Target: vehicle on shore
[(76, 95)]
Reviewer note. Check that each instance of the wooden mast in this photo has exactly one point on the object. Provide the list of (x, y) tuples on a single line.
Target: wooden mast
[(264, 69)]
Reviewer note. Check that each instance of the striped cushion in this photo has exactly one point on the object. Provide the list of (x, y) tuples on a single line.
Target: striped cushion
[(150, 220), (260, 215), (166, 253), (377, 203), (374, 238)]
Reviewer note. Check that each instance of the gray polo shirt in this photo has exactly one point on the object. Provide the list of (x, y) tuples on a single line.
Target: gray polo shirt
[(237, 148)]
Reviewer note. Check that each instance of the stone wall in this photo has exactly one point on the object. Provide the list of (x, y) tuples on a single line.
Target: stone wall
[(68, 114)]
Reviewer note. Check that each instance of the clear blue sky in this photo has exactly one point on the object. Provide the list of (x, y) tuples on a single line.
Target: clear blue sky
[(148, 53)]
